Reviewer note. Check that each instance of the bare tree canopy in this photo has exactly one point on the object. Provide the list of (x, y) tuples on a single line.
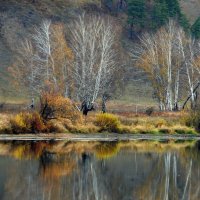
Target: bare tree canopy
[(42, 58), (168, 58), (92, 42), (82, 71)]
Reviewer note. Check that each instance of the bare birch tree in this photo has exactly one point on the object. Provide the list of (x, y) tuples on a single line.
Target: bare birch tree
[(42, 41), (24, 70), (189, 51), (162, 56), (92, 43), (42, 58), (32, 67)]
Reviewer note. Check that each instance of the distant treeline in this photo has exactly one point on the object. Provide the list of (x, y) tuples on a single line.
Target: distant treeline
[(150, 15)]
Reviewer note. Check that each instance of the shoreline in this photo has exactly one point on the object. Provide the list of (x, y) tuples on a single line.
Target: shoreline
[(103, 137)]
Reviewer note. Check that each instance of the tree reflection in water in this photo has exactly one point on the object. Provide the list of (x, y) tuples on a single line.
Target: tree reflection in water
[(100, 171)]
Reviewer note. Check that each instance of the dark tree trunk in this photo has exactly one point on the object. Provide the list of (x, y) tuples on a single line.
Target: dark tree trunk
[(121, 4), (175, 108), (131, 31), (86, 107), (194, 91), (105, 98), (104, 104), (103, 107), (32, 106)]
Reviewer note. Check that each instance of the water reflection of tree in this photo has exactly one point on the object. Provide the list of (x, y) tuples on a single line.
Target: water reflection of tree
[(90, 181), (87, 183), (150, 183), (106, 150), (170, 180), (77, 174), (49, 169), (28, 150), (53, 166)]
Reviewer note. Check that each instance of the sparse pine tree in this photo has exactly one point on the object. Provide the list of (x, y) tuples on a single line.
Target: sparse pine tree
[(136, 15), (195, 29), (173, 7), (160, 14), (183, 21), (174, 11)]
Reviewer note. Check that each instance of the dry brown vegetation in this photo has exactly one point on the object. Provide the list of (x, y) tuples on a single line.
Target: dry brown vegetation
[(60, 115), (158, 123)]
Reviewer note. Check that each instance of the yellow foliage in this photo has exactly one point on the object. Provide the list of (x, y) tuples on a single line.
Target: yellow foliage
[(29, 150), (19, 120), (27, 123), (106, 150), (58, 37), (62, 57), (107, 122), (18, 152)]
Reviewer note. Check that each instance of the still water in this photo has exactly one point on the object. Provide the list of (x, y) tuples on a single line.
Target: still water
[(139, 170)]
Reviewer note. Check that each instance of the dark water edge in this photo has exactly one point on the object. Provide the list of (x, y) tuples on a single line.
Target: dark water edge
[(97, 137)]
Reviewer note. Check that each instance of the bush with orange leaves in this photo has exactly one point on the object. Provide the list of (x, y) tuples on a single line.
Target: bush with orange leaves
[(27, 123), (55, 106)]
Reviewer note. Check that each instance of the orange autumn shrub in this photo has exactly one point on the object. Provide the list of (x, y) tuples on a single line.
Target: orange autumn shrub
[(55, 106)]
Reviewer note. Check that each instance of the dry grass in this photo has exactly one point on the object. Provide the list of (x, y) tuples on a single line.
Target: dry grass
[(4, 120), (158, 123), (165, 123), (5, 126)]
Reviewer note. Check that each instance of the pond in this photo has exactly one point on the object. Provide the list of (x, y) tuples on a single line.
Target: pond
[(137, 170)]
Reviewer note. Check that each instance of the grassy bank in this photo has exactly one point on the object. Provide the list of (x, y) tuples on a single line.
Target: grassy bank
[(129, 123)]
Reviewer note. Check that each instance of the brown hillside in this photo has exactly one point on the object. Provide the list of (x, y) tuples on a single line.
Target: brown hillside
[(27, 13), (191, 8)]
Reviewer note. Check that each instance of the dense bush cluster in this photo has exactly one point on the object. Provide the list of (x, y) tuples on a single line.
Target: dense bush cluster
[(55, 110), (53, 106)]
